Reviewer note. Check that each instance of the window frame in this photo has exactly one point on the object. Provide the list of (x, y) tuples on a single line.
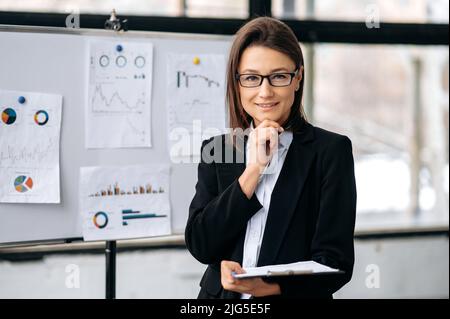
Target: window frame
[(307, 31)]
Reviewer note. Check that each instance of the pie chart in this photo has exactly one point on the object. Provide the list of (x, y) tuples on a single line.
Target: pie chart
[(41, 117), (9, 116), (23, 183), (100, 220)]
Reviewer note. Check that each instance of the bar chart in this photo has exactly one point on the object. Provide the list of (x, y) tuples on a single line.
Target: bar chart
[(116, 190), (129, 214)]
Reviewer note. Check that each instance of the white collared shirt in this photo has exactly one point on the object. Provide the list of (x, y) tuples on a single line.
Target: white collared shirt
[(263, 191)]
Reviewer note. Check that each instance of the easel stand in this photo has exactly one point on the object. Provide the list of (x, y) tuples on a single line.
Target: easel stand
[(113, 23), (110, 253)]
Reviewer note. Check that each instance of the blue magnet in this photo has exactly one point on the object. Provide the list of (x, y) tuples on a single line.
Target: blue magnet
[(119, 48), (21, 99)]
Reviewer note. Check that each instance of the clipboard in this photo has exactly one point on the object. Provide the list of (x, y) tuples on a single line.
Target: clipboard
[(288, 273), (310, 268)]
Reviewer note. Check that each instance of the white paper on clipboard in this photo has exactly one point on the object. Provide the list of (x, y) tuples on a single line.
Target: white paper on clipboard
[(298, 268)]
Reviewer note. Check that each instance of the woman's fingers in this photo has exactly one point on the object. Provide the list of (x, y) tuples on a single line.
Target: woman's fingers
[(265, 134), (227, 268), (270, 123), (263, 141), (273, 138), (253, 286)]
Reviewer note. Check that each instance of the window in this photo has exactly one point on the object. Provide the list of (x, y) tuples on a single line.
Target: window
[(137, 7), (400, 137), (222, 9), (399, 11), (191, 8)]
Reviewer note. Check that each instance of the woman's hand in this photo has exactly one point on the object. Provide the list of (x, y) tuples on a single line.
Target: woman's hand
[(263, 141), (252, 286)]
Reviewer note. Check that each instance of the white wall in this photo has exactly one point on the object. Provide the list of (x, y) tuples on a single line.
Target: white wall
[(408, 268)]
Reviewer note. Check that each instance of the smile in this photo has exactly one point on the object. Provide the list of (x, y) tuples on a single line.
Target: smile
[(267, 105)]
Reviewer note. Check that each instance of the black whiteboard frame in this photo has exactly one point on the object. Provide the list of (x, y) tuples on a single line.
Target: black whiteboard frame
[(307, 31)]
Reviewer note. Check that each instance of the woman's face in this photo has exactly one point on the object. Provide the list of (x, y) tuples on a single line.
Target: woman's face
[(266, 101)]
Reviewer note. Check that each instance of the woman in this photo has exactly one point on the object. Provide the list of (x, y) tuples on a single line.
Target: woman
[(291, 196)]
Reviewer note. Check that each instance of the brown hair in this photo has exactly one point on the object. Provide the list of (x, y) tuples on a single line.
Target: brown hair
[(273, 34)]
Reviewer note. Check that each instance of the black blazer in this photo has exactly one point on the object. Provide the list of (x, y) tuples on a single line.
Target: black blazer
[(311, 214)]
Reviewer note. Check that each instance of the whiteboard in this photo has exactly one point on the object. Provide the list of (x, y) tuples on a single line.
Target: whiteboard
[(53, 60)]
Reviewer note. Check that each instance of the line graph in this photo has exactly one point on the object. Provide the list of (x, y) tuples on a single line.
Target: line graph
[(115, 103), (119, 95), (40, 153), (183, 115), (182, 75), (195, 96), (135, 131)]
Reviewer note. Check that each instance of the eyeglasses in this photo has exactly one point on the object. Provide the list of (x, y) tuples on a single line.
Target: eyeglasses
[(275, 79)]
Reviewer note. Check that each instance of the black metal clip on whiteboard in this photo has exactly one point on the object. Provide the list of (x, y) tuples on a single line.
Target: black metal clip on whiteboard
[(114, 23)]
